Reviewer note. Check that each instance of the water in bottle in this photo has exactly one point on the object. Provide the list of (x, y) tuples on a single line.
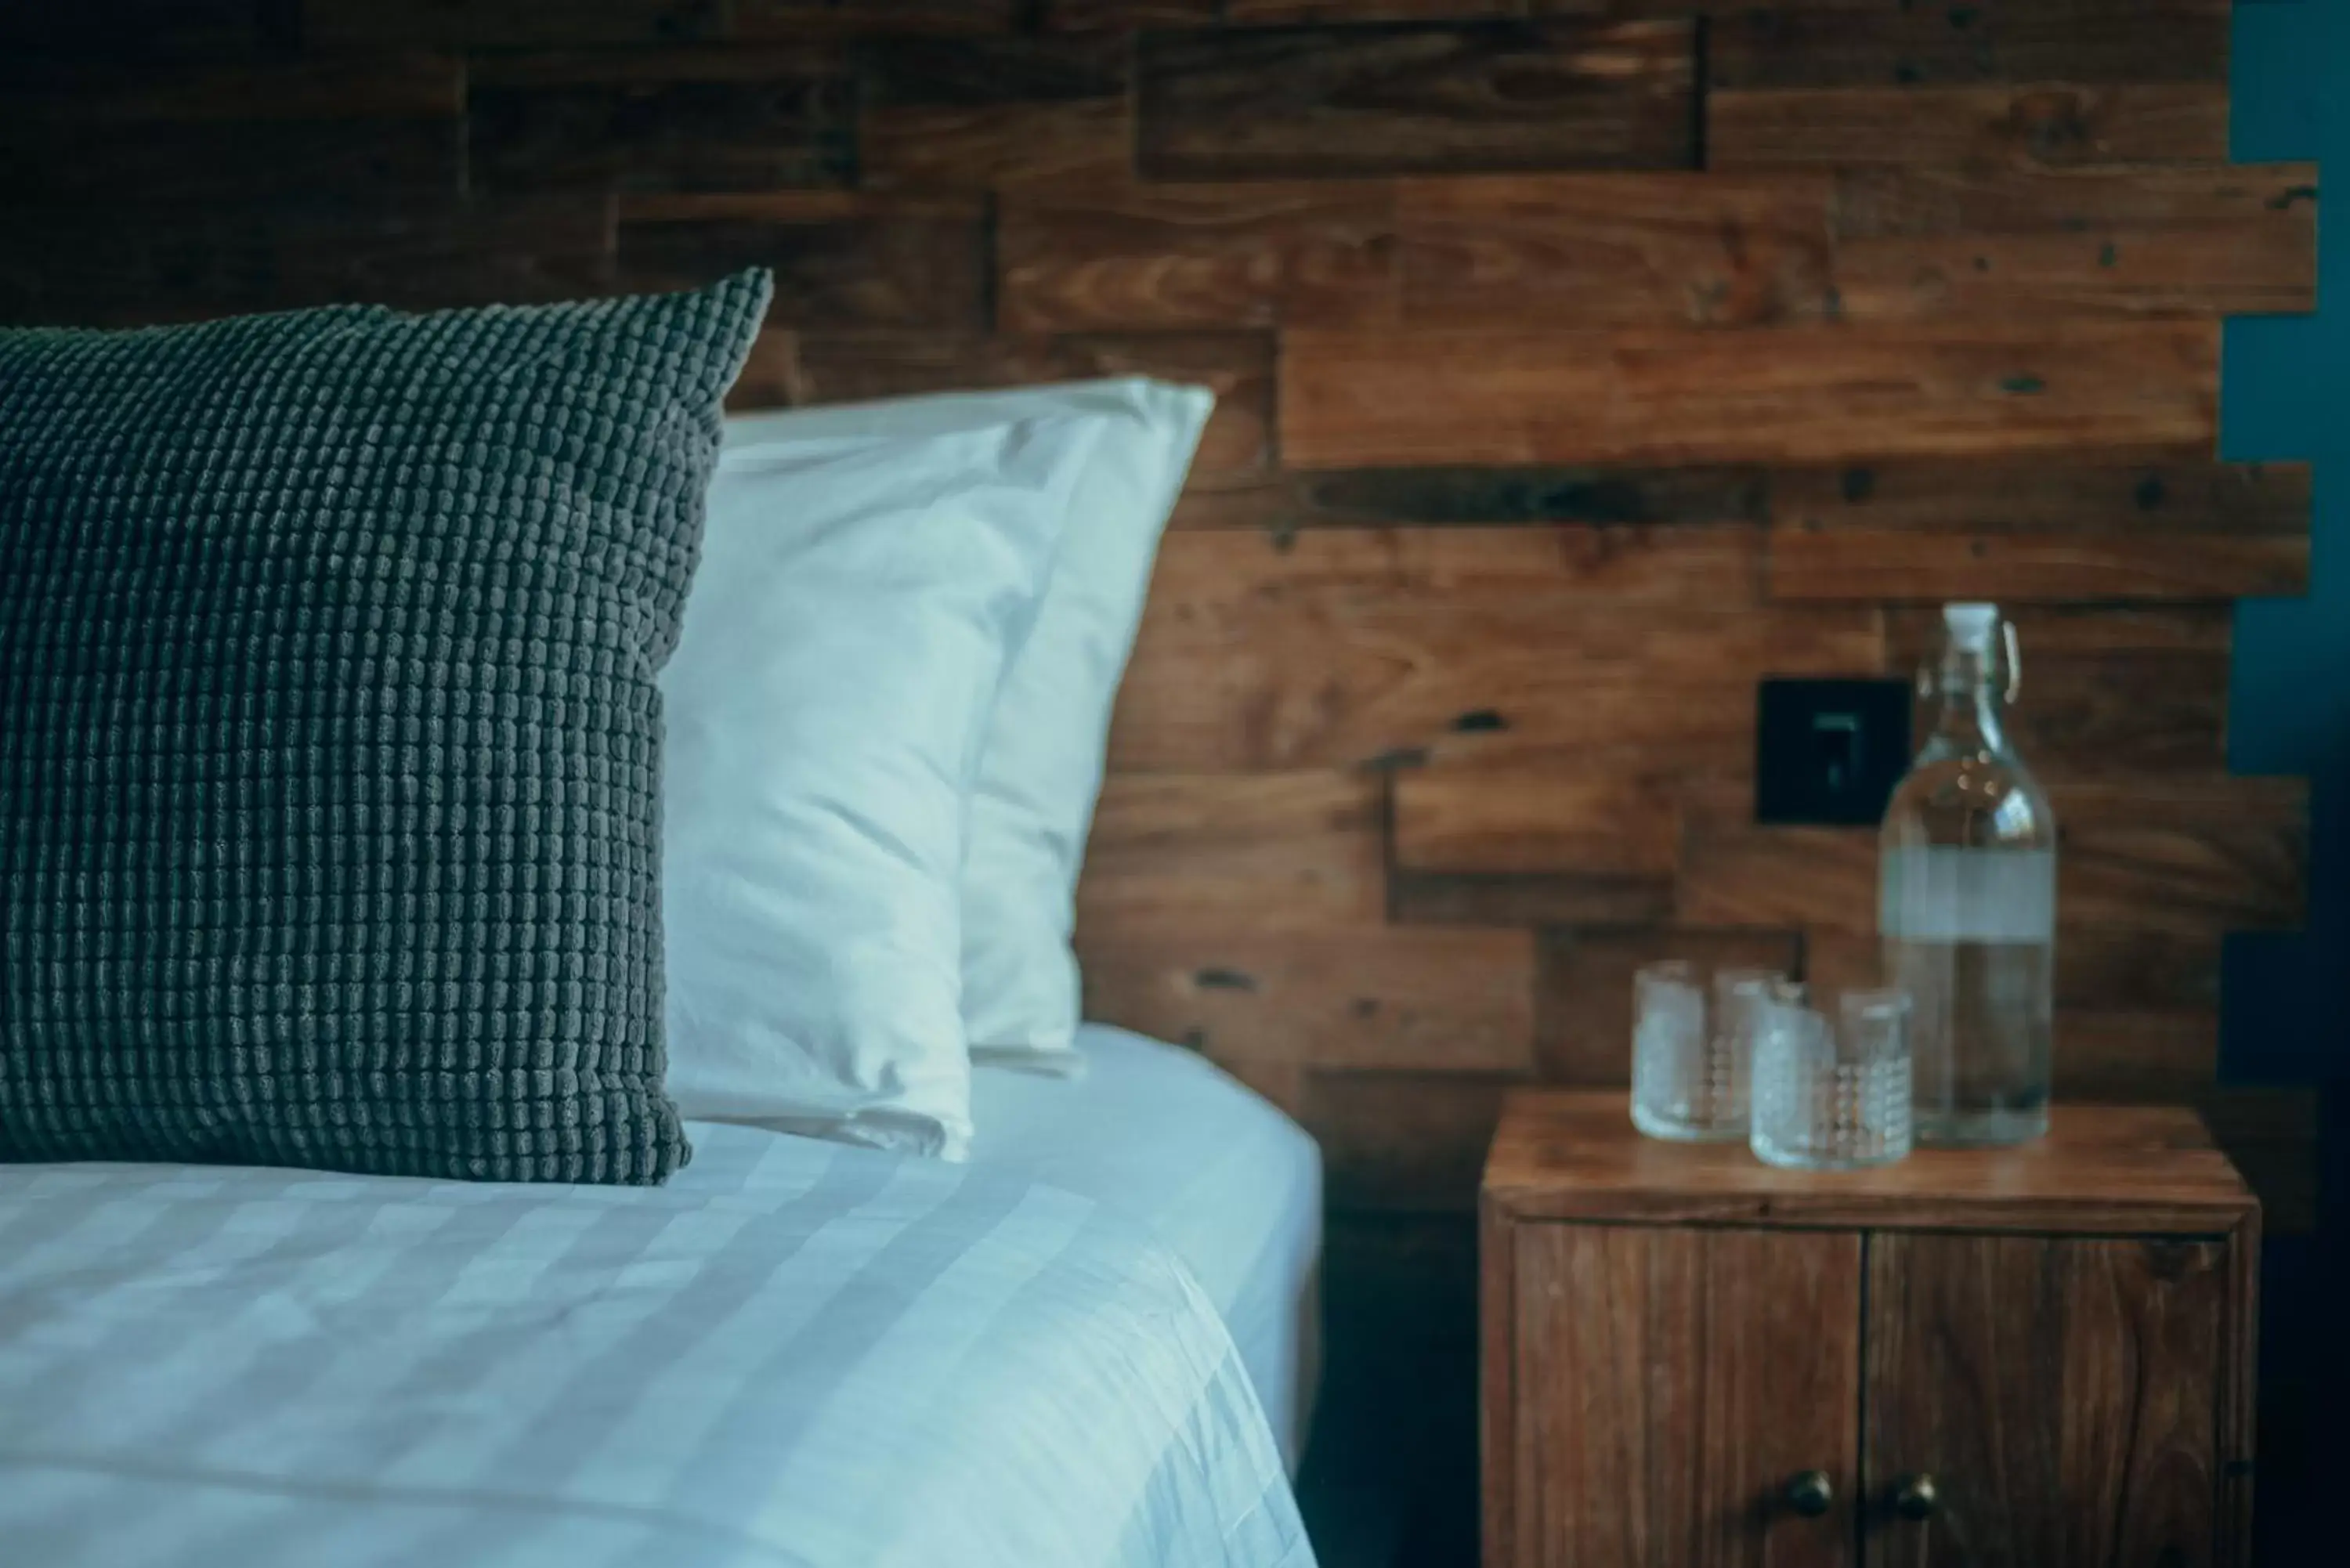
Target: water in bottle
[(1967, 900)]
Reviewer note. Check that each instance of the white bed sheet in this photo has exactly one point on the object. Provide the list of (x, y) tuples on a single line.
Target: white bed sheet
[(796, 1353), (1231, 1186)]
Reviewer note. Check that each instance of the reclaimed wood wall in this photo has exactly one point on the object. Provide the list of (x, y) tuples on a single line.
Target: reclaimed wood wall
[(1581, 361)]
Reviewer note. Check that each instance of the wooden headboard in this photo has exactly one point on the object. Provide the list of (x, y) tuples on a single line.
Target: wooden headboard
[(1579, 363)]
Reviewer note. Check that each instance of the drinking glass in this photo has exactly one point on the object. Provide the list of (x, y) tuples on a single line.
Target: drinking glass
[(1690, 1060), (1832, 1089)]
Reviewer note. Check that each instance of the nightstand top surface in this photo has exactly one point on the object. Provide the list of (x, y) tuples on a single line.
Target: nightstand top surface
[(1574, 1155)]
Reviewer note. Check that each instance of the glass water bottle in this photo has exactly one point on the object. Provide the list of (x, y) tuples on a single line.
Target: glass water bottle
[(1967, 901)]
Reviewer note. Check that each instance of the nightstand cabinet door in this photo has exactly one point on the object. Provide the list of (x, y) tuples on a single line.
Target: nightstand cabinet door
[(1673, 1383), (2060, 1394)]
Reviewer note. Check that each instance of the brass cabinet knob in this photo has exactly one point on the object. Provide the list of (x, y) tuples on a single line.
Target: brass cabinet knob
[(1810, 1494), (1916, 1496)]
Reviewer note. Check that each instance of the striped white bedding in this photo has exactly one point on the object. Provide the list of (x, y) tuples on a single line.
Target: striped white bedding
[(796, 1353)]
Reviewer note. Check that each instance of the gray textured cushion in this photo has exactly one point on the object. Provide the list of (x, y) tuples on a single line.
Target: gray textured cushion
[(330, 747)]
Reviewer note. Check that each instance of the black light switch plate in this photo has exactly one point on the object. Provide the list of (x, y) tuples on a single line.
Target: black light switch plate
[(1829, 752)]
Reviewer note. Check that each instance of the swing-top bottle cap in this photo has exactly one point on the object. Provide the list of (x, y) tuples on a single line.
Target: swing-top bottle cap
[(1971, 626)]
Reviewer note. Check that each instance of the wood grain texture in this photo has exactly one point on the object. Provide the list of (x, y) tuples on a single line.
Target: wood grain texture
[(1372, 998), (1236, 447), (183, 32), (1570, 1154), (873, 18), (2220, 272), (351, 25), (675, 119), (2114, 691), (2040, 125), (2063, 1394), (1653, 396), (2183, 855), (1528, 898), (840, 260), (1658, 1413), (1244, 255), (1926, 200), (1345, 647), (2170, 856), (1237, 851), (1370, 100), (1977, 531), (134, 266), (1614, 250), (1600, 824), (387, 126), (995, 113), (1282, 503), (1947, 44)]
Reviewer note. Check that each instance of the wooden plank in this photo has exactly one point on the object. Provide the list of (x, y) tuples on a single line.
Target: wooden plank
[(2127, 1032), (1409, 1143), (1583, 1010), (1599, 823), (1614, 250), (1282, 503), (1655, 396), (1489, 898), (235, 131), (1346, 647), (175, 31), (1599, 564), (2107, 691), (2203, 531), (1658, 1409), (1396, 98), (2214, 240), (2039, 125), (2063, 1393), (137, 265), (1235, 448), (1571, 1154), (1735, 873), (2106, 976), (2184, 856), (1364, 998), (840, 260), (2130, 1057), (1982, 41), (2198, 272), (1886, 202), (735, 119), (2154, 501), (1124, 15), (1200, 255), (509, 24), (973, 114), (892, 18), (1265, 851), (1290, 13), (2189, 857)]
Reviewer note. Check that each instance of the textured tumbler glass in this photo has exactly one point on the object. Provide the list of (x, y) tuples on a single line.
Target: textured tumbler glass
[(1690, 1060), (1832, 1090)]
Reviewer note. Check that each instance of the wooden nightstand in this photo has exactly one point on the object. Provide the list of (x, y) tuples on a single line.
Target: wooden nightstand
[(2040, 1355)]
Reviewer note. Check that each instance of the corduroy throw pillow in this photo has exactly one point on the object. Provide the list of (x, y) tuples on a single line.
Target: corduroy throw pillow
[(329, 745)]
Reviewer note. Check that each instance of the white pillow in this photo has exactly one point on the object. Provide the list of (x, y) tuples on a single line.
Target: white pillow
[(1041, 772), (849, 627)]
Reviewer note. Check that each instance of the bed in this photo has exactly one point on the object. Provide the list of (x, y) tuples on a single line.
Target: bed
[(796, 1353)]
